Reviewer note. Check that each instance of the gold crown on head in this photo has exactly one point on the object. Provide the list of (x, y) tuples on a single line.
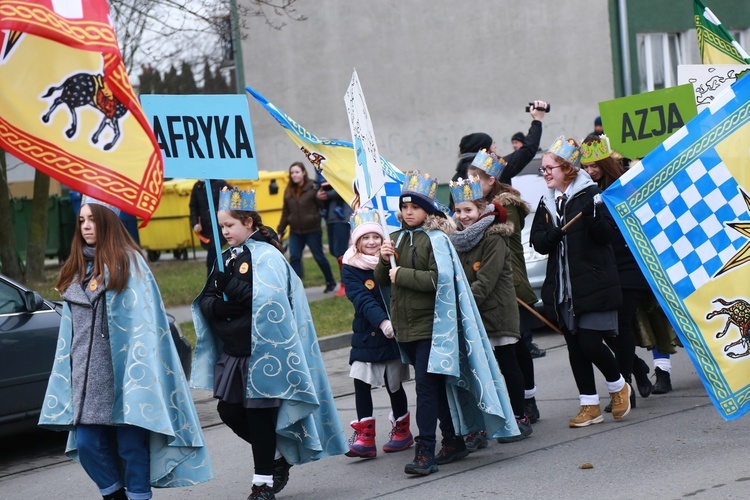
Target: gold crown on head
[(364, 216), (566, 151), (237, 199), (422, 185), (490, 163), (466, 189), (596, 150)]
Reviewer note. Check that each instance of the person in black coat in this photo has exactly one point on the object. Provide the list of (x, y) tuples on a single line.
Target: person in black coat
[(375, 357), (575, 229), (471, 144), (200, 217), (605, 166)]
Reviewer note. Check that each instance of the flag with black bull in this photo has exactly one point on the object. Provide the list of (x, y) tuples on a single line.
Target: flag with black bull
[(68, 108)]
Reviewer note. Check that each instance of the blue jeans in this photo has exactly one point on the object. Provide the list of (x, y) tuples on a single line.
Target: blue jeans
[(104, 450), (313, 240)]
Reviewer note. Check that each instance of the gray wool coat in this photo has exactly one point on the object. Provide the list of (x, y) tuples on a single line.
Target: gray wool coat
[(90, 355)]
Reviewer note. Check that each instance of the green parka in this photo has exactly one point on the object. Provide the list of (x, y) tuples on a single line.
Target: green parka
[(517, 210), (489, 270), (413, 293)]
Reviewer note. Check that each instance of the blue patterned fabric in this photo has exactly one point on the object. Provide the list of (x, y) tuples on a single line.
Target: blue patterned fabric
[(286, 362), (477, 393), (150, 387)]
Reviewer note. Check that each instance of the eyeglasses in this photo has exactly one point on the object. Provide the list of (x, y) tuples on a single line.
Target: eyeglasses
[(547, 170)]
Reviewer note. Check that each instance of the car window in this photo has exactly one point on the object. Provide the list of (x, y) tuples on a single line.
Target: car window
[(11, 300)]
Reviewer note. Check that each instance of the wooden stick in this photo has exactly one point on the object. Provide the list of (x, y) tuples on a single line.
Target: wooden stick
[(535, 313), (571, 221)]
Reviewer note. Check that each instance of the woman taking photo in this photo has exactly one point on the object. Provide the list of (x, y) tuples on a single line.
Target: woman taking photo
[(574, 228), (301, 213)]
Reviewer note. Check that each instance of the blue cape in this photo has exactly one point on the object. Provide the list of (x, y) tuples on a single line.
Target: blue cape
[(477, 393), (150, 387), (286, 362)]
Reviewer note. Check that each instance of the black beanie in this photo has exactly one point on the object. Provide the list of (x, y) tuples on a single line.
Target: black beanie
[(475, 142), (425, 203), (518, 136)]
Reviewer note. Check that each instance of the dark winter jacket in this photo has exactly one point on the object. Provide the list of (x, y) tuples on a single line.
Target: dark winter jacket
[(589, 258), (631, 276), (488, 269), (368, 342), (518, 159), (301, 213), (413, 294), (200, 211), (336, 210), (234, 332), (517, 210)]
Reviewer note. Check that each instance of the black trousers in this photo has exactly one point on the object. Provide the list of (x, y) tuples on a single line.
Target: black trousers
[(586, 349), (257, 426)]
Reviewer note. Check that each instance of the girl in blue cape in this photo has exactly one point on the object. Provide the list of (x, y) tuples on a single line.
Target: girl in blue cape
[(440, 332), (257, 350), (117, 384)]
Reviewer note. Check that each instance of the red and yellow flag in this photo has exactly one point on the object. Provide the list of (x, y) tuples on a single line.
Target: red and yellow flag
[(67, 107)]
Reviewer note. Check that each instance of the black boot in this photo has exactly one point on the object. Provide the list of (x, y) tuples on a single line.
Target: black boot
[(117, 495), (454, 448), (663, 383), (424, 461), (640, 372), (531, 409)]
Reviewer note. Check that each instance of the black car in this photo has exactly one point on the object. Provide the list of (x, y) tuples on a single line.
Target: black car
[(29, 326)]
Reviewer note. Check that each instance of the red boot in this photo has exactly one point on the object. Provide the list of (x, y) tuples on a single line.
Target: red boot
[(401, 437), (362, 443), (341, 291)]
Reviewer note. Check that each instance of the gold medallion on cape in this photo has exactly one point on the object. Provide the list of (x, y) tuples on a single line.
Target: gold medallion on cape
[(93, 284), (369, 284), (244, 267)]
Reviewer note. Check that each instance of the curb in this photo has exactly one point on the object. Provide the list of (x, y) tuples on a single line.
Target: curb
[(334, 342)]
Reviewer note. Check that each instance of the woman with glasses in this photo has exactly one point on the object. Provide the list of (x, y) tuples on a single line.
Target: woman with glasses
[(574, 228)]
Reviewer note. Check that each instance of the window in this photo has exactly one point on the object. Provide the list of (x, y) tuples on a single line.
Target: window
[(659, 54), (10, 299)]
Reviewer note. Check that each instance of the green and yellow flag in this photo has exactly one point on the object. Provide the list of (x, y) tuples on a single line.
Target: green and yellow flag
[(716, 44)]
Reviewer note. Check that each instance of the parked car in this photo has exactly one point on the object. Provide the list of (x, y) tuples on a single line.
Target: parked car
[(28, 339), (532, 186)]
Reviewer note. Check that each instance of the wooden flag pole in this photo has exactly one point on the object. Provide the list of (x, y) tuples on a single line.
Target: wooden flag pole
[(542, 318), (571, 221)]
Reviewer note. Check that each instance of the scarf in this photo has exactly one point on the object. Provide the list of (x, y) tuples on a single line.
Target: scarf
[(359, 260), (469, 237), (88, 255)]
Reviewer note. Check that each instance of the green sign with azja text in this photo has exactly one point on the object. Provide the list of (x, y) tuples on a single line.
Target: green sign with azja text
[(637, 124)]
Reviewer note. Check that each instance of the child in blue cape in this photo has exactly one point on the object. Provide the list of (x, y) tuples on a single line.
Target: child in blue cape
[(117, 384), (375, 358), (483, 247), (253, 327), (429, 299)]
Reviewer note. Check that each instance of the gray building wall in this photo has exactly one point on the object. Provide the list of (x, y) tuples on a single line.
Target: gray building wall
[(431, 71)]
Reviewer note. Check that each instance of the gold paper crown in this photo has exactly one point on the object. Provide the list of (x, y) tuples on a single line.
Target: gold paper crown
[(466, 189), (490, 163), (596, 150), (236, 199), (420, 185), (566, 151), (364, 216)]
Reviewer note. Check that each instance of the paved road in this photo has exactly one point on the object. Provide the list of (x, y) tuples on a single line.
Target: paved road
[(671, 446)]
